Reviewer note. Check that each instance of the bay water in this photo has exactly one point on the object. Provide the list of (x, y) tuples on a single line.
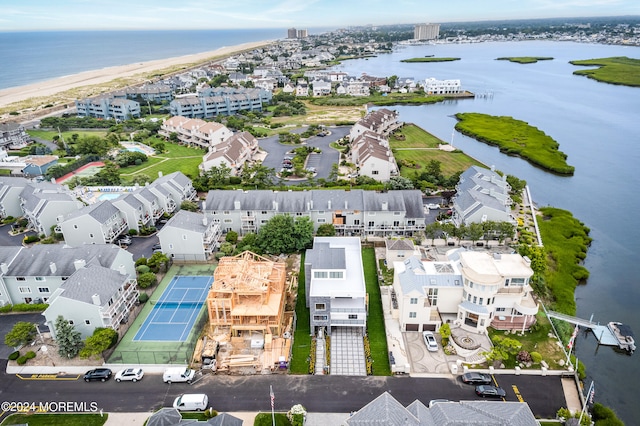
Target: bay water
[(596, 125)]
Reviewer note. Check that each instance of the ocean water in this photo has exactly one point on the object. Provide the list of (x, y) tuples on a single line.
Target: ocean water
[(30, 57)]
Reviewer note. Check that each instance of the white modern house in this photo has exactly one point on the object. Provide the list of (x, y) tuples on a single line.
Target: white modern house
[(335, 287), (190, 236), (433, 86), (93, 296), (472, 289), (482, 195)]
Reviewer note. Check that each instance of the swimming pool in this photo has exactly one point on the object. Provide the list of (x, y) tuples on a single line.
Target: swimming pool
[(136, 149), (108, 196)]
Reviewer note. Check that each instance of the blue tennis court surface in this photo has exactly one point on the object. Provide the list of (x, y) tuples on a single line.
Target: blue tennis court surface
[(177, 309)]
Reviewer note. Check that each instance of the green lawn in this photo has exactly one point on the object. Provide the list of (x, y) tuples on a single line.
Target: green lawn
[(414, 137), (615, 70), (302, 336), (265, 419), (49, 134), (375, 320), (452, 162), (56, 419), (177, 158), (525, 59), (515, 137)]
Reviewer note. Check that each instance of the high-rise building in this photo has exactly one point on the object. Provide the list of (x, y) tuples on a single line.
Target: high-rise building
[(426, 31), (292, 33), (302, 34)]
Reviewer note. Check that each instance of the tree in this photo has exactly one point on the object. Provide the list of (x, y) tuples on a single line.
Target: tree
[(503, 348), (92, 145), (475, 231), (249, 242), (99, 342), (326, 230), (189, 206), (505, 230), (68, 338), (156, 260), (432, 230), (231, 237), (399, 182), (147, 279), (21, 334), (281, 234), (258, 176)]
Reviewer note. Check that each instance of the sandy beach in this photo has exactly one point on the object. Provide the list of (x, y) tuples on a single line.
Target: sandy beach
[(52, 91)]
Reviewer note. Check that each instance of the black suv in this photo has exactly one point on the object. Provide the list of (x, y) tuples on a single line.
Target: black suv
[(102, 374)]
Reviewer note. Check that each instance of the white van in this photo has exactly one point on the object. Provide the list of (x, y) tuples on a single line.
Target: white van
[(191, 402), (178, 374)]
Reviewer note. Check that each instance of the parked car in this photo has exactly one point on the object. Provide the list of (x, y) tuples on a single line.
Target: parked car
[(490, 391), (476, 379), (156, 246), (102, 374), (433, 206), (430, 341), (191, 402), (178, 374), (125, 240), (129, 374)]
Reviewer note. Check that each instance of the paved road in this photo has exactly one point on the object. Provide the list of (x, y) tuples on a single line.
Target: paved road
[(251, 393)]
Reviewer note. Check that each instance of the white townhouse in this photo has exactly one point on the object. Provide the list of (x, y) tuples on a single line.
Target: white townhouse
[(472, 289), (382, 121), (334, 282), (433, 86), (399, 249), (108, 107), (190, 236), (302, 88), (482, 195), (371, 154), (43, 202), (195, 132), (233, 153), (137, 213), (10, 189), (93, 297), (32, 274), (99, 223), (321, 88), (354, 212)]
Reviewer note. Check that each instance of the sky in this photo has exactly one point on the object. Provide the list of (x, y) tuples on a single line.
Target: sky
[(30, 15)]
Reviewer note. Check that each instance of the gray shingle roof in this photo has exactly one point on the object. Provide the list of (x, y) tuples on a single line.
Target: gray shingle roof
[(384, 410), (483, 413), (101, 211), (190, 221), (35, 261), (93, 279), (400, 244)]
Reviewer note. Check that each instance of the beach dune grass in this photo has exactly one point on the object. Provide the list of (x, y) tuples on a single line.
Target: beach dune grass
[(515, 137), (614, 70), (430, 59), (525, 59)]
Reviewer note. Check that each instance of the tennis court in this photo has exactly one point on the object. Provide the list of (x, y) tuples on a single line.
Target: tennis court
[(175, 312)]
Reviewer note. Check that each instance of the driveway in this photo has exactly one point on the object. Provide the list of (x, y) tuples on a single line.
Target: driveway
[(7, 321), (420, 359), (11, 240)]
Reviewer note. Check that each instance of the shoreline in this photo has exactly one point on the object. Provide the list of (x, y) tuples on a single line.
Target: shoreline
[(42, 92)]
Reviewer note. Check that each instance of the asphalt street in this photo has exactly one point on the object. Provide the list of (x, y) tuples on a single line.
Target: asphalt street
[(339, 394)]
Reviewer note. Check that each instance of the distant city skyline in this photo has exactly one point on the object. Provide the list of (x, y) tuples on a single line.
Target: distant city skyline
[(20, 15)]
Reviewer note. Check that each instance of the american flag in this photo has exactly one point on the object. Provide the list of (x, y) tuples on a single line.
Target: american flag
[(592, 394), (273, 398)]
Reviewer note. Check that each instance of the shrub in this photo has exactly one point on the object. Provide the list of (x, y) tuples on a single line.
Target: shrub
[(29, 307), (31, 239), (143, 298), (14, 355), (107, 333), (6, 308), (22, 360), (30, 355), (132, 232), (232, 237), (235, 180), (536, 358), (141, 261), (143, 269), (524, 356)]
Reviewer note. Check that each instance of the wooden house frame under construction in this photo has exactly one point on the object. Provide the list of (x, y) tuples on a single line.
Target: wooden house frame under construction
[(248, 294)]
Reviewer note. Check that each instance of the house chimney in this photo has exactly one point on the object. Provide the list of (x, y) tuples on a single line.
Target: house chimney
[(385, 205), (346, 204), (236, 204), (204, 220), (4, 268), (329, 205), (79, 264), (53, 267), (96, 299), (60, 219), (122, 270), (204, 205), (311, 204), (275, 205)]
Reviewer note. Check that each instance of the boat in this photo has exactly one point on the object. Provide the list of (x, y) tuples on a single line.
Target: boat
[(623, 335)]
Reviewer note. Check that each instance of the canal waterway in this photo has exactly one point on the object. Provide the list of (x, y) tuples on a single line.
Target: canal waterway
[(596, 125)]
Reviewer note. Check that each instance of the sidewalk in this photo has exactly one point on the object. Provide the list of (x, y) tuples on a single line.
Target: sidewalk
[(138, 419)]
